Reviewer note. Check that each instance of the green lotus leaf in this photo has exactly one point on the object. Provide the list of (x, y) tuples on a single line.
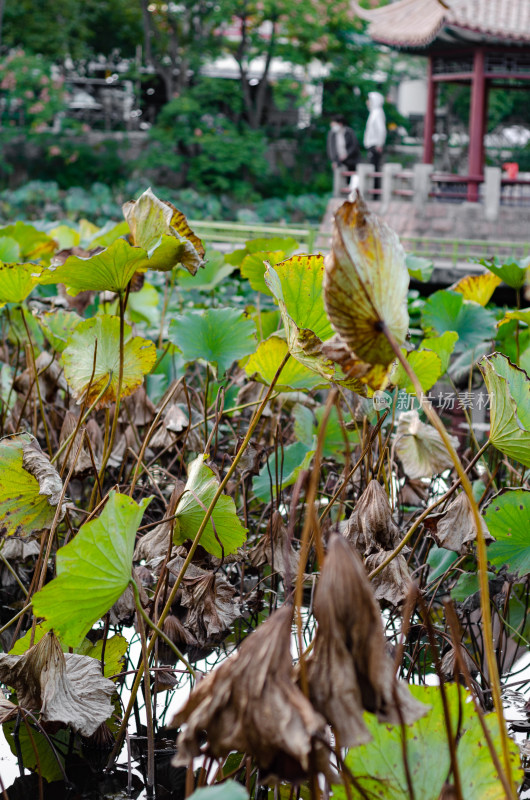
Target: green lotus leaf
[(282, 469), (58, 325), (93, 571), (139, 356), (9, 250), (443, 346), (44, 761), (34, 245), (511, 272), (163, 231), (307, 426), (425, 363), (217, 335), (267, 245), (30, 489), (65, 236), (378, 768), (449, 311), (264, 363), (199, 491), (102, 237), (253, 268), (17, 281), (508, 519), (509, 390), (229, 790), (111, 270), (420, 269)]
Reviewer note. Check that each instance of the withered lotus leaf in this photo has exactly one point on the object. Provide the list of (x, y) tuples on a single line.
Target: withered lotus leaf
[(251, 704), (64, 687), (393, 582), (455, 528), (8, 710), (211, 605), (365, 283), (420, 447), (371, 527), (350, 670), (274, 549)]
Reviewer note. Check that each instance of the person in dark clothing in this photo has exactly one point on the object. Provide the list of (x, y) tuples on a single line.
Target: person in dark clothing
[(342, 145)]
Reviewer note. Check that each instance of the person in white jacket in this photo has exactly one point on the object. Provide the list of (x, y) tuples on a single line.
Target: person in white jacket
[(375, 132)]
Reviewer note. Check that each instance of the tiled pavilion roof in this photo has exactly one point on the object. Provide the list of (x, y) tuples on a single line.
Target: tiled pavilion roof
[(417, 23)]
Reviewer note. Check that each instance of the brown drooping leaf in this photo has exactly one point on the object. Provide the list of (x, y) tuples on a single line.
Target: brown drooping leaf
[(211, 605), (65, 687), (175, 630), (8, 710), (450, 666), (420, 447), (154, 545), (350, 670), (37, 463), (50, 377), (251, 704), (371, 527), (393, 583), (138, 408), (83, 464), (455, 528), (273, 548)]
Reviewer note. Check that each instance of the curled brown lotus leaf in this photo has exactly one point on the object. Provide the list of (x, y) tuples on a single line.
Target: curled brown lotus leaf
[(65, 687), (371, 527), (37, 463), (350, 670), (393, 583), (420, 447), (179, 635), (211, 605), (8, 710), (155, 544), (138, 408), (50, 377), (274, 548), (450, 665), (251, 704), (455, 529)]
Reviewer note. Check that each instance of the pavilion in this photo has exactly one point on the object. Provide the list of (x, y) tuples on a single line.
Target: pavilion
[(484, 43)]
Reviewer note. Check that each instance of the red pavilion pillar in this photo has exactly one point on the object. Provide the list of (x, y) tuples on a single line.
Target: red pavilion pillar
[(430, 116), (477, 116)]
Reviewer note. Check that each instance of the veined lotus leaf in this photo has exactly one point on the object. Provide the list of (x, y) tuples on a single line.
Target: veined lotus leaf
[(105, 236), (449, 311), (217, 335), (17, 281), (110, 271), (420, 447), (366, 282), (163, 231), (478, 288), (511, 272), (508, 519), (226, 534), (139, 356), (93, 570), (9, 250), (253, 268), (509, 390), (443, 346), (378, 770), (66, 688), (30, 489), (58, 325), (425, 363), (420, 269), (264, 364), (34, 245), (521, 315)]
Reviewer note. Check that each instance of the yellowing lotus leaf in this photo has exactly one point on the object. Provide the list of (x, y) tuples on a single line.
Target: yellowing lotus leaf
[(30, 488), (163, 231), (264, 363), (365, 283), (34, 245), (17, 281), (509, 391), (427, 366), (420, 447), (478, 288), (139, 356), (111, 270)]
